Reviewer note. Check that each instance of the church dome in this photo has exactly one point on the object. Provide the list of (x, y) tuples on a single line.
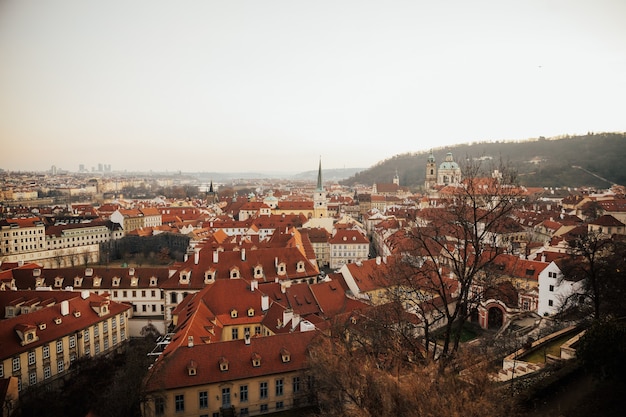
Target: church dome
[(449, 163)]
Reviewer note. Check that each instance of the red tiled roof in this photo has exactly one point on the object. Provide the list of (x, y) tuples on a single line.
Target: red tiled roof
[(50, 301), (347, 236), (170, 371)]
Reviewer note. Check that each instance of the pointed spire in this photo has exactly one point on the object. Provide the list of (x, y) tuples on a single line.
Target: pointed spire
[(319, 177), (211, 187)]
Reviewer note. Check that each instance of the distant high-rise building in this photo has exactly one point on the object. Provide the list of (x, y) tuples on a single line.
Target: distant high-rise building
[(53, 170), (81, 168), (100, 168)]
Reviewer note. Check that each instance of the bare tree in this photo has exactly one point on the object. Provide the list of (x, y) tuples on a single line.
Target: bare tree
[(350, 380), (599, 263), (448, 251)]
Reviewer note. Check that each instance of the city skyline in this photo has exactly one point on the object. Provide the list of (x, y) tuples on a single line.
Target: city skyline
[(273, 86)]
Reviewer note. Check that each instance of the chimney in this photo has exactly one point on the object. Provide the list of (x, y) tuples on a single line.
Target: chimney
[(254, 285), (276, 262), (65, 307), (378, 260), (243, 254), (84, 294), (265, 302), (215, 256), (287, 316), (196, 256), (190, 341), (543, 257)]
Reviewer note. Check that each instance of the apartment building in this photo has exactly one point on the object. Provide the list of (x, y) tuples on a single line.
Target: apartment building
[(139, 288), (347, 246), (240, 377), (43, 333)]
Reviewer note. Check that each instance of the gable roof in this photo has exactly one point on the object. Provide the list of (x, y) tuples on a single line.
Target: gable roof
[(170, 371), (47, 308)]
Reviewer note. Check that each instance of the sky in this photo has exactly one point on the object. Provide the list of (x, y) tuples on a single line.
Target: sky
[(267, 85)]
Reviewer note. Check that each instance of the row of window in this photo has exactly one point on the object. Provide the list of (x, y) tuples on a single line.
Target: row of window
[(349, 254), (146, 307), (47, 370), (351, 247), (134, 294), (225, 401), (246, 331)]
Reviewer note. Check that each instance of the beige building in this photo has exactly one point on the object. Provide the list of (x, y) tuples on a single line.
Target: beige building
[(21, 236), (28, 240), (253, 376), (44, 332), (347, 246)]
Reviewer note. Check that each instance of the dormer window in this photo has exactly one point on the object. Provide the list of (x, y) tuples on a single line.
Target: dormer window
[(285, 356), (42, 326), (300, 266), (250, 312), (57, 320), (97, 281), (153, 281), (76, 313), (40, 282), (233, 314), (134, 281), (209, 276), (36, 272), (78, 281), (131, 271), (88, 272), (58, 282), (256, 360), (100, 308), (27, 333), (258, 271), (282, 270), (223, 362), (234, 273), (116, 281), (185, 276)]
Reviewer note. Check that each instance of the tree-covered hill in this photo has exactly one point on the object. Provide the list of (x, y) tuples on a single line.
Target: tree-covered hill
[(595, 160)]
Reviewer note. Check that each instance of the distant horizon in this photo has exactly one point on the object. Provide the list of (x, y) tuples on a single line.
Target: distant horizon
[(276, 172)]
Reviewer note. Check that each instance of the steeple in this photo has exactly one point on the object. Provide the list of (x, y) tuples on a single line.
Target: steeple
[(319, 177), (211, 195), (320, 204)]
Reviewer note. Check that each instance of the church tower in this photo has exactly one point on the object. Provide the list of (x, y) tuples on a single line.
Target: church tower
[(320, 203), (211, 195), (396, 178), (431, 172)]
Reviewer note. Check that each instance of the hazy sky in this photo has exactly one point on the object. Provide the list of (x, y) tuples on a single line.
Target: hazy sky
[(269, 85)]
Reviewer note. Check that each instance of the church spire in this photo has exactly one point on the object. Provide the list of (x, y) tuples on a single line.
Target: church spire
[(319, 177)]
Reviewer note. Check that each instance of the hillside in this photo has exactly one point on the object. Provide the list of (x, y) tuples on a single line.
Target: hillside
[(555, 162)]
